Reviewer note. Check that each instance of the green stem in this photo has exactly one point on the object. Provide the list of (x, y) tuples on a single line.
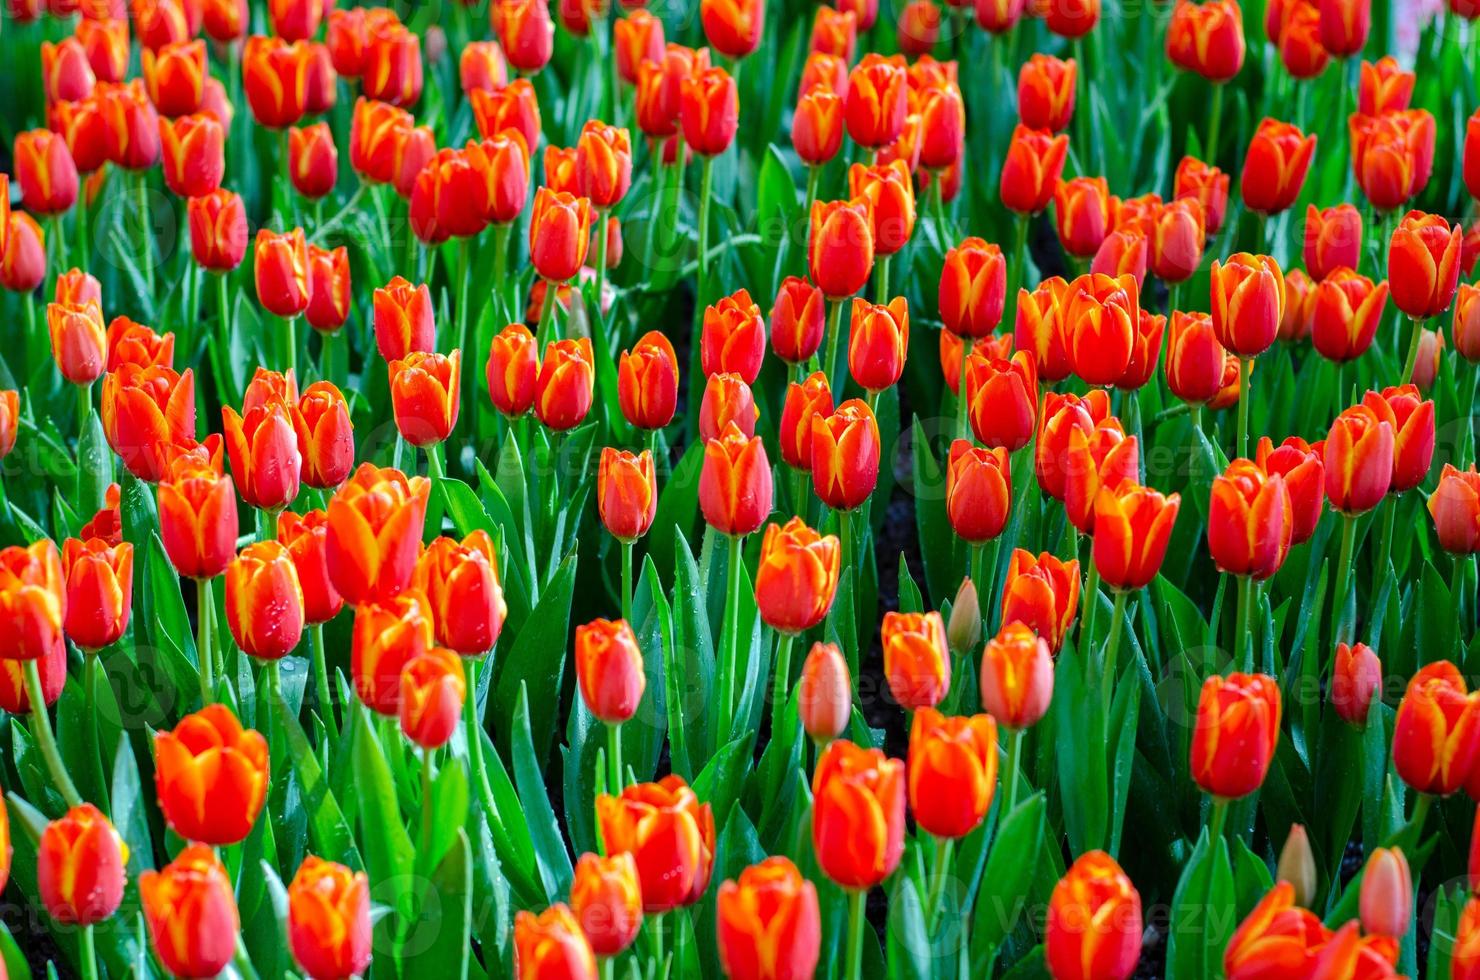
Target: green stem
[(627, 582), (464, 257), (274, 682), (1389, 515), (500, 270), (321, 679), (474, 729), (428, 820), (943, 850), (881, 285), (83, 243), (322, 230), (290, 343), (1215, 124), (1412, 360), (1421, 807), (146, 247), (1109, 662), (1014, 762), (706, 186), (834, 330), (1017, 272), (1344, 630), (205, 629), (547, 317), (1241, 623), (781, 683), (84, 410), (979, 579), (963, 428), (732, 642), (1089, 602), (1219, 818), (600, 282), (854, 969), (87, 954), (938, 207), (435, 469), (1245, 387), (814, 180), (41, 734), (614, 759)]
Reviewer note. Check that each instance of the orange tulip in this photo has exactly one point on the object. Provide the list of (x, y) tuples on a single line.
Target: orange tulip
[(733, 339), (890, 194), (797, 577), (1303, 473), (329, 919), (280, 268), (1093, 930), (1031, 172), (134, 343), (1356, 676), (525, 32), (1274, 170), (449, 196), (878, 341), (1041, 593), (973, 287), (264, 601), (1132, 527), (387, 636), (431, 697), (1333, 239), (1250, 521), (1455, 508), (1237, 730), (100, 583), (197, 513), (190, 909), (1083, 210), (817, 124), (606, 899), (559, 234), (403, 319), (459, 581), (603, 164), (636, 38), (659, 85), (79, 342), (952, 772), (810, 399), (733, 27), (375, 528), (824, 693), (1039, 328), (52, 669), (1437, 730), (1060, 416), (1177, 239), (218, 230), (392, 69), (1412, 420), (735, 482), (1071, 18), (834, 34), (512, 370), (626, 493), (325, 436), (147, 412), (263, 448), (840, 247), (917, 662), (551, 944), (1017, 674), (175, 76), (858, 815), (566, 383), (727, 398), (23, 259), (211, 776), (1207, 38), (709, 110), (306, 538), (9, 420), (798, 320), (275, 80), (1195, 358), (105, 41), (876, 103), (845, 455), (1423, 264), (1392, 156), (978, 491), (80, 862), (1046, 89), (610, 670), (1248, 302), (1278, 938), (46, 172), (768, 923), (66, 73), (1358, 457), (130, 125), (1102, 316), (1101, 457), (1002, 399), (1208, 186), (425, 396), (670, 836)]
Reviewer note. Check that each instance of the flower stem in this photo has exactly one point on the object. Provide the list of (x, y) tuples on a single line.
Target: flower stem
[(474, 727), (963, 430), (1245, 389), (1412, 361), (834, 328), (424, 843), (1241, 624), (500, 269), (1219, 818), (614, 758), (1014, 761), (881, 284), (205, 628), (41, 733), (854, 970), (1215, 124), (146, 248), (944, 847), (321, 679), (87, 954), (600, 282), (627, 583), (1110, 661), (732, 642), (781, 683), (547, 317), (1089, 600), (1344, 630)]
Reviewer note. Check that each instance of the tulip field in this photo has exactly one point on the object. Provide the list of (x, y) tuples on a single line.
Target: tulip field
[(761, 489)]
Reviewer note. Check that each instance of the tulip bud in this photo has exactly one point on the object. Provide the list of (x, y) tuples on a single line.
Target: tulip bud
[(403, 319), (1017, 676), (1237, 730), (798, 320), (387, 636), (329, 919), (432, 692), (916, 658), (46, 172), (978, 491), (670, 836), (211, 776), (768, 923), (1437, 731), (1093, 931), (797, 576), (566, 383), (840, 249), (889, 192), (647, 381), (1132, 528), (23, 259), (878, 342), (1031, 172), (858, 815), (425, 396), (1355, 680), (610, 670), (264, 601), (1358, 457), (1274, 169), (460, 584), (190, 909), (197, 514), (1333, 239), (964, 628), (973, 286), (559, 235), (952, 772), (1387, 893), (817, 124), (824, 693), (1046, 89), (525, 32), (513, 367), (80, 861), (1248, 302), (626, 493), (710, 110), (1297, 866), (1423, 264), (281, 272), (1250, 521), (1455, 508), (375, 529), (845, 455), (733, 338), (67, 75), (1083, 213), (1207, 38), (79, 342), (876, 103), (313, 160), (100, 583), (735, 482), (218, 230)]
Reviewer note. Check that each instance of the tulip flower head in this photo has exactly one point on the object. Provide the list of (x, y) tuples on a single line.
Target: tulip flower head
[(735, 482), (211, 776), (610, 669), (80, 861), (670, 836), (329, 919), (917, 659), (460, 582), (1093, 930), (1274, 170), (1017, 675), (1437, 730), (952, 772), (845, 455), (190, 909), (1133, 525), (1237, 731), (100, 584), (858, 815)]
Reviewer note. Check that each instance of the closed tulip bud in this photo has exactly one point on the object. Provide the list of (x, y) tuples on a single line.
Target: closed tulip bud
[(1303, 473), (1392, 156), (1208, 186), (1124, 252), (1300, 307), (1412, 421), (917, 663), (211, 776), (1333, 239), (835, 35), (1046, 92), (306, 537), (973, 288), (449, 197), (1437, 730), (824, 693), (425, 396), (1465, 331), (66, 73), (727, 399), (840, 247), (432, 692), (1275, 167), (275, 80), (100, 584), (1039, 328), (566, 383), (403, 319), (1278, 934), (603, 164), (559, 234), (1358, 456), (130, 126), (876, 103), (79, 342), (513, 368), (525, 32), (810, 399), (845, 455), (1207, 38), (1297, 865), (709, 110), (46, 172), (952, 772), (943, 128), (733, 339), (375, 528), (1042, 593), (329, 920), (735, 483), (1471, 166), (1299, 41), (552, 945), (560, 170), (376, 132), (878, 342), (978, 491), (1248, 295), (626, 493), (659, 85), (647, 381), (1195, 358), (1250, 521), (225, 20), (606, 898), (197, 513), (1386, 898), (1031, 172), (23, 260), (193, 153), (1132, 527), (1093, 931), (1455, 508), (190, 909), (890, 194), (265, 457), (264, 601), (1002, 400), (313, 160), (1082, 213), (175, 76), (218, 230), (797, 576), (294, 20), (481, 67), (733, 27), (328, 288), (460, 583), (1102, 318), (1177, 239), (1384, 87), (387, 636), (325, 436), (636, 38), (1355, 680), (1101, 457), (280, 270), (75, 287), (610, 669), (33, 601), (9, 420), (670, 836), (858, 815), (1017, 675), (817, 125), (1071, 18), (798, 320), (1423, 264), (964, 628), (1345, 25), (393, 69), (1060, 416), (80, 861), (769, 926)]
